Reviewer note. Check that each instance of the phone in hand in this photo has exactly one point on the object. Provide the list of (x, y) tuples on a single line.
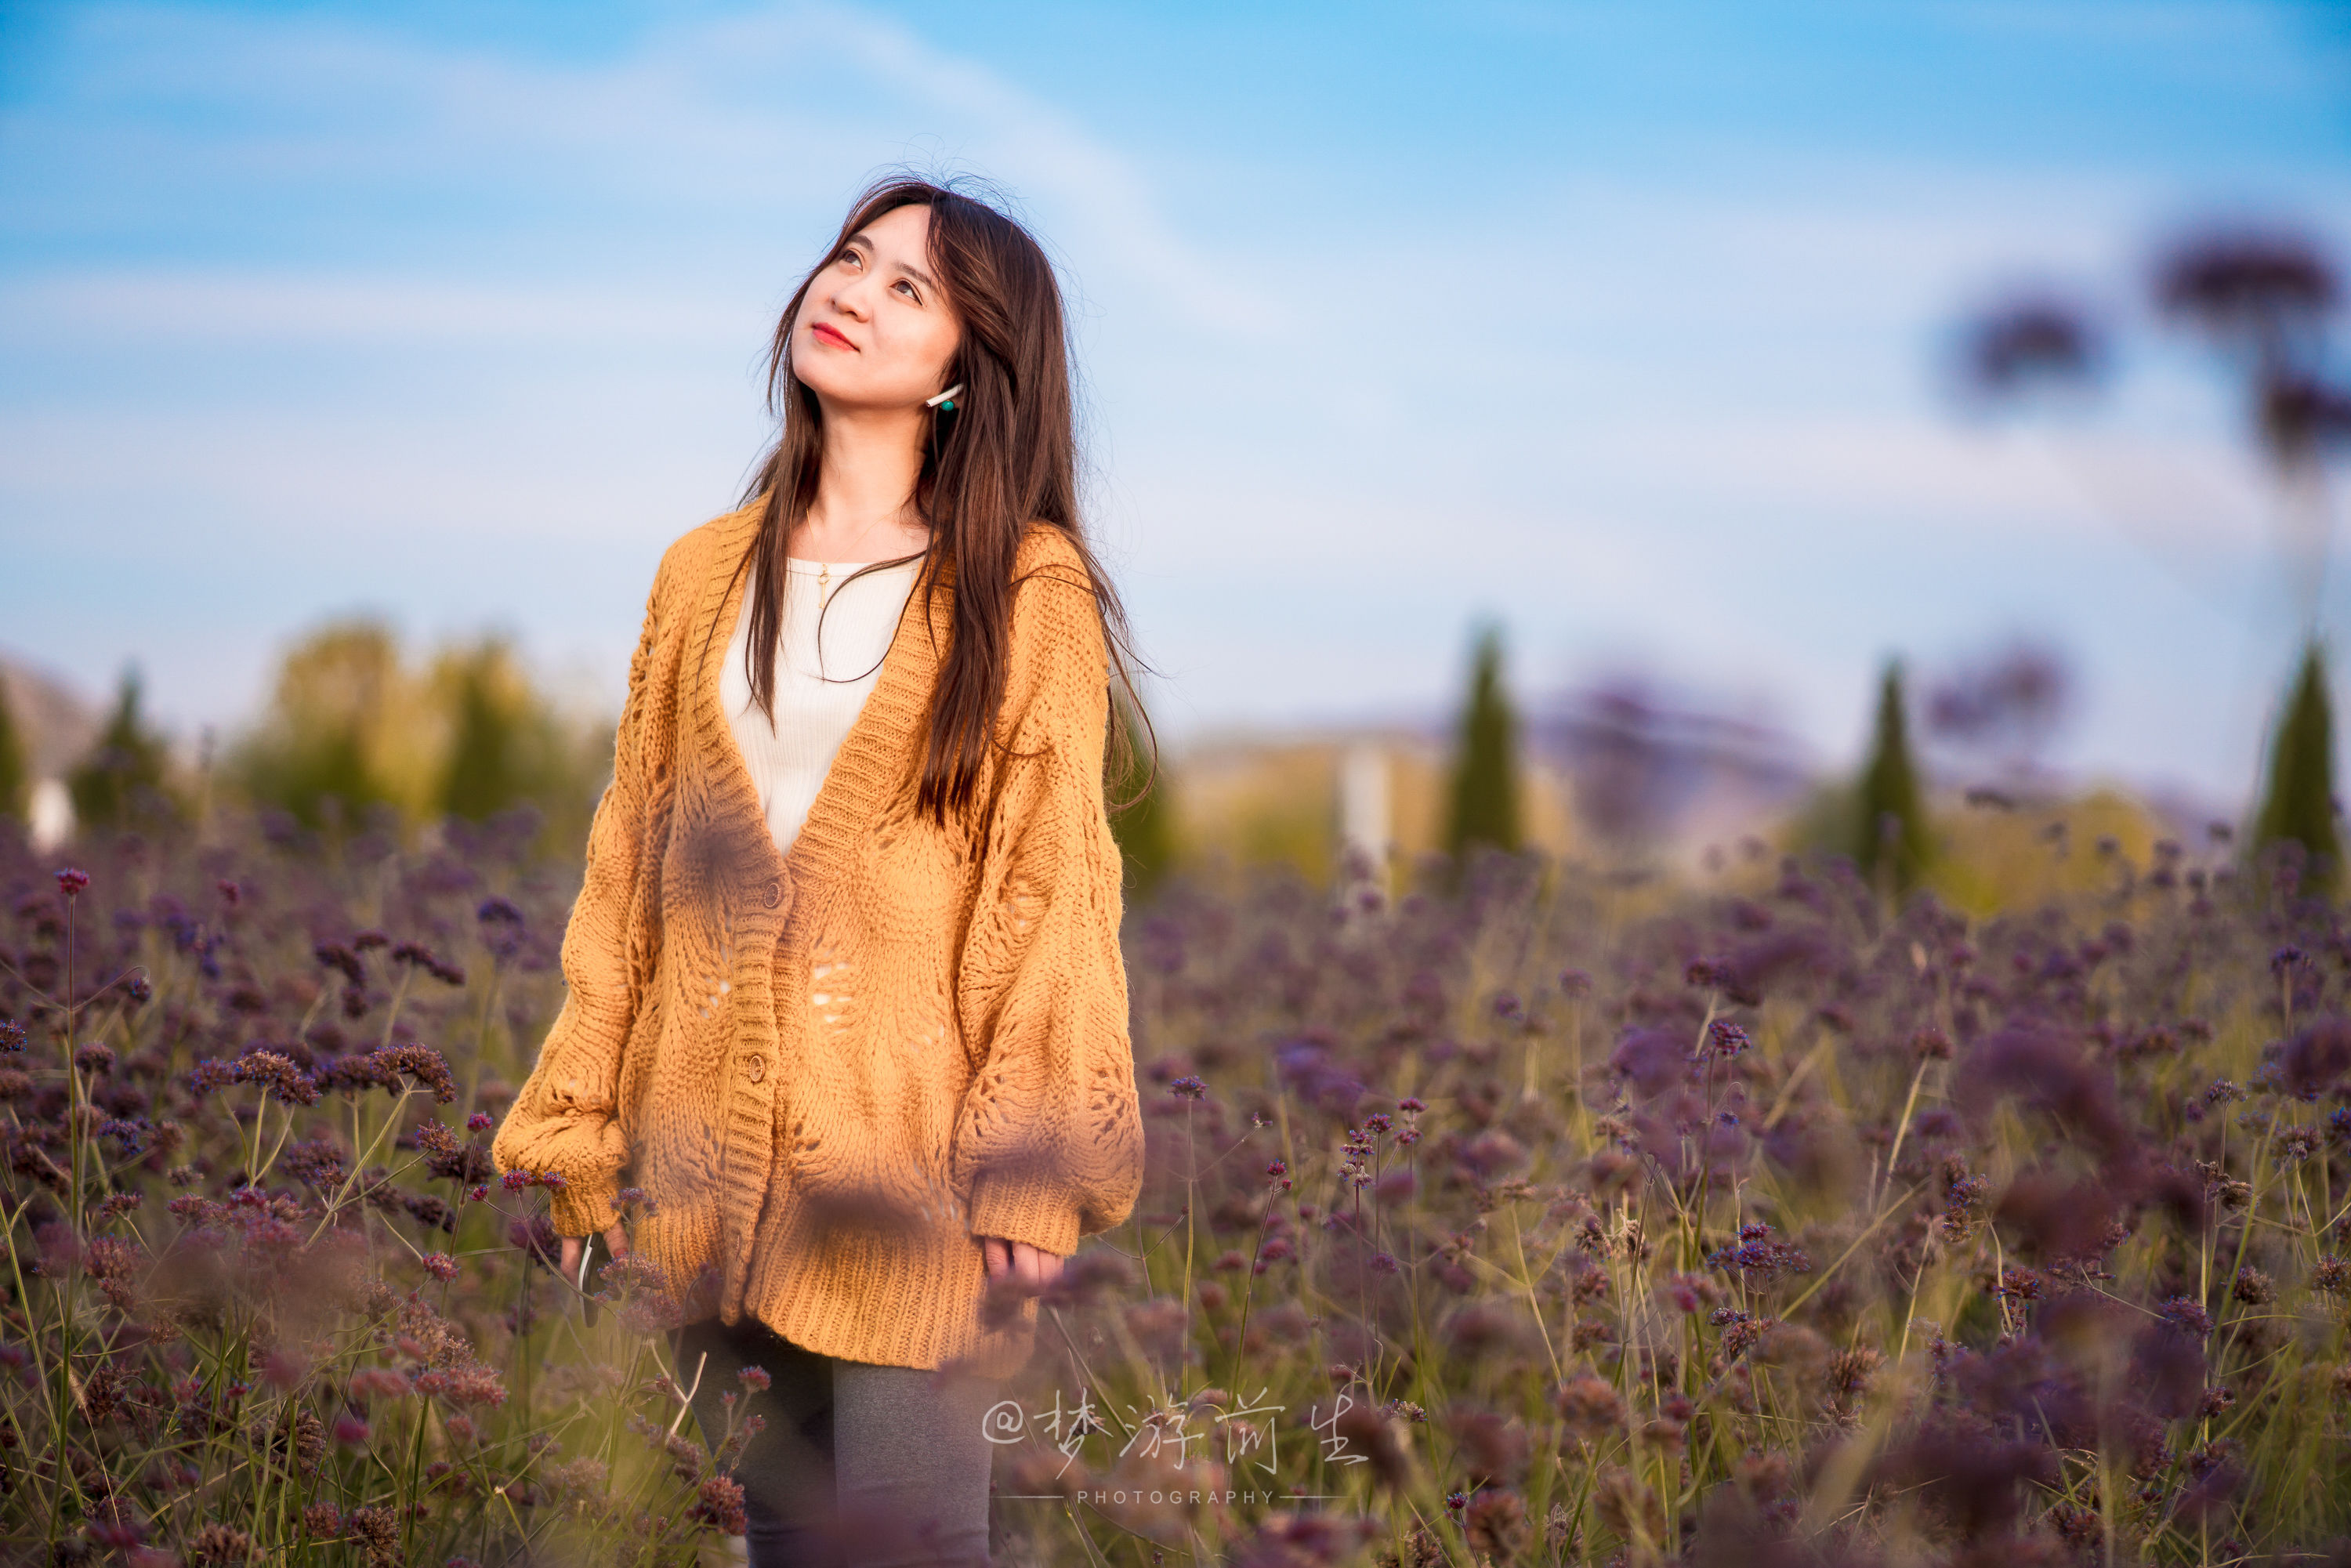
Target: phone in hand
[(594, 1253)]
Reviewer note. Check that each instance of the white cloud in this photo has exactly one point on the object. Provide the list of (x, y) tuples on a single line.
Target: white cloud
[(248, 310), (1089, 181), (782, 108)]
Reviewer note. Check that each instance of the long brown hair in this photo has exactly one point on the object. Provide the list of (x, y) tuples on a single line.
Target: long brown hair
[(1005, 457)]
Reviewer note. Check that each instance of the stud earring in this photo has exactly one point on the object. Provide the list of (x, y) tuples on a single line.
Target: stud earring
[(944, 402)]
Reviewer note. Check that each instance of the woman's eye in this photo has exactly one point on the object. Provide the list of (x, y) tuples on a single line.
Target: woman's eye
[(909, 288)]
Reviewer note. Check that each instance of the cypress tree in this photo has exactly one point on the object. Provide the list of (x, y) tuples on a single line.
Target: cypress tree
[(1890, 833), (14, 774), (124, 772), (1144, 830), (1485, 804), (2299, 802)]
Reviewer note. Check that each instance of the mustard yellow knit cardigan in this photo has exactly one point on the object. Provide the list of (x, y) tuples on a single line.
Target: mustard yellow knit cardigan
[(833, 1070)]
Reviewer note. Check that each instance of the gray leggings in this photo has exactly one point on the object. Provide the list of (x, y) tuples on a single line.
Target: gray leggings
[(876, 1467)]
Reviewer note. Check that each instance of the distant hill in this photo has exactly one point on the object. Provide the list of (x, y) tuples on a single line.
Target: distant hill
[(58, 724)]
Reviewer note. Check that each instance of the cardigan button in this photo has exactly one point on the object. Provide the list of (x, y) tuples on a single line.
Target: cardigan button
[(774, 893), (756, 1069)]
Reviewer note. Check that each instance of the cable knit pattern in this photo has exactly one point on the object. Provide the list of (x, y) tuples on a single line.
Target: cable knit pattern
[(833, 1070)]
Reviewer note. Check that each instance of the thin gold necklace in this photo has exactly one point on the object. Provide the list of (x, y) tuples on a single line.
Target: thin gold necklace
[(824, 570), (824, 573)]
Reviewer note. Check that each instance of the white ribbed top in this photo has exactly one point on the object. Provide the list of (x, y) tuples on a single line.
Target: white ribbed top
[(788, 762)]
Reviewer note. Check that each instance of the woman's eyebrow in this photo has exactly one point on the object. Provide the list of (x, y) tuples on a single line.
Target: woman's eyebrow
[(861, 238)]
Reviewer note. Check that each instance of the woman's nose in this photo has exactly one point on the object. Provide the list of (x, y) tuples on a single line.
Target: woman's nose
[(850, 299)]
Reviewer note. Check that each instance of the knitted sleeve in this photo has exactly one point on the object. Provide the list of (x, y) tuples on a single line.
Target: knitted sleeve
[(565, 1119), (1050, 1134)]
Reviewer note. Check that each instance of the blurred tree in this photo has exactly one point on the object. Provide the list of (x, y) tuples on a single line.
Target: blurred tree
[(123, 775), (472, 738), (16, 780), (1144, 830), (341, 724), (2298, 802), (509, 747), (1486, 769), (485, 774), (1891, 840)]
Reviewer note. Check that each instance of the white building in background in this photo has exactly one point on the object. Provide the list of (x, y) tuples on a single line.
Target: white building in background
[(1366, 813), (49, 815), (57, 728)]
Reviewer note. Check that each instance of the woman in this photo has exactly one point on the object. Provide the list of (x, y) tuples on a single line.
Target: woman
[(846, 1001)]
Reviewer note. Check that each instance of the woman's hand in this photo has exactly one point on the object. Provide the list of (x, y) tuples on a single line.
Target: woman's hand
[(1033, 1265), (617, 1239)]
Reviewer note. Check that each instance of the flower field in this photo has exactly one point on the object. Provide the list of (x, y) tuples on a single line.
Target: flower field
[(1554, 1218)]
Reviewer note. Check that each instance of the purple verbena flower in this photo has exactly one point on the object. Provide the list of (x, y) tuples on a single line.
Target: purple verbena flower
[(1760, 1257), (2187, 1314), (421, 1062), (209, 1074), (276, 1074), (502, 926)]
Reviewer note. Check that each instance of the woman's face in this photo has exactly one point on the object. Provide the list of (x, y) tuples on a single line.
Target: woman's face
[(874, 330)]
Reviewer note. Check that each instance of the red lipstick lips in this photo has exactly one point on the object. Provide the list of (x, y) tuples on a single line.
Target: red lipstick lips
[(832, 335)]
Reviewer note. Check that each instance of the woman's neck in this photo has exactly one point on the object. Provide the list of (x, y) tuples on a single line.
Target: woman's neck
[(864, 504)]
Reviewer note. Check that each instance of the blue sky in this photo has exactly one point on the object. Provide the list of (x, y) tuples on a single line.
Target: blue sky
[(1617, 322)]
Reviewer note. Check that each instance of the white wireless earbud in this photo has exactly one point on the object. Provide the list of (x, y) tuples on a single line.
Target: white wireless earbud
[(946, 399)]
